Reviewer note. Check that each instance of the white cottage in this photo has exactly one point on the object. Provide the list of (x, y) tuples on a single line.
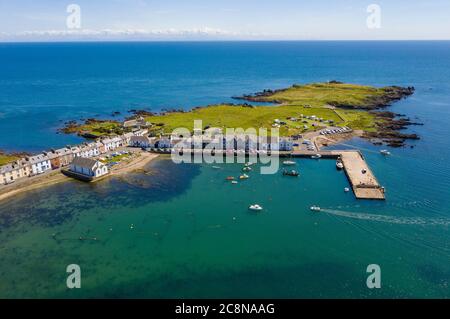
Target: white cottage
[(286, 144), (39, 164), (88, 167), (142, 141)]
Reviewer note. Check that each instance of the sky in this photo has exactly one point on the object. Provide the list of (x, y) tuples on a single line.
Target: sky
[(49, 20)]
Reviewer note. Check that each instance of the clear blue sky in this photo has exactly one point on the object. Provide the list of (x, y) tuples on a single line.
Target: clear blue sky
[(24, 20)]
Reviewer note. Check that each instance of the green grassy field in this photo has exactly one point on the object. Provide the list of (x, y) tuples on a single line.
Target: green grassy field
[(321, 94), (312, 99), (5, 159)]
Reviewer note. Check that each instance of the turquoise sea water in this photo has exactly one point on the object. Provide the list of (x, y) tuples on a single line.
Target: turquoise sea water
[(181, 230)]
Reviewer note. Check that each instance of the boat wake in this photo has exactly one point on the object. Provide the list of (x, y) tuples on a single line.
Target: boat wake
[(390, 219)]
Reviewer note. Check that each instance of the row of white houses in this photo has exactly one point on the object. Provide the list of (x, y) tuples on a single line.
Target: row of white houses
[(54, 159), (238, 142)]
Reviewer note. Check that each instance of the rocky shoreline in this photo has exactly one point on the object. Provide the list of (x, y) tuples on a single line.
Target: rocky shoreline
[(388, 124)]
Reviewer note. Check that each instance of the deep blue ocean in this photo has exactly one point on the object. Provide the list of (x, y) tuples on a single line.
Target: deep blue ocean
[(285, 253)]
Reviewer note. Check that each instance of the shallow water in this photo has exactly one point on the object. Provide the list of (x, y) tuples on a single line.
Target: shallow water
[(172, 232)]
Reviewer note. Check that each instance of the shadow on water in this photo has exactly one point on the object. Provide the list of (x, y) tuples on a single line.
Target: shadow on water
[(331, 280), (161, 180)]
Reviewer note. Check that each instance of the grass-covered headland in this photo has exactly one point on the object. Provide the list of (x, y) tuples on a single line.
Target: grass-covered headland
[(332, 104)]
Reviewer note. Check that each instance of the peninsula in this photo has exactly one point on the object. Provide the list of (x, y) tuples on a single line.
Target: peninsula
[(298, 109)]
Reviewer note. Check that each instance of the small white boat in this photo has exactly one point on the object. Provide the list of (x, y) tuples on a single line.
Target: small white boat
[(216, 167), (234, 182), (255, 207), (346, 189), (385, 152), (246, 168), (317, 156), (288, 163), (244, 176), (315, 208), (339, 165)]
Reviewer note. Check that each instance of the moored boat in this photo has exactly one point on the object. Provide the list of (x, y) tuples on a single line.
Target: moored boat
[(317, 156), (255, 207), (291, 173), (289, 163)]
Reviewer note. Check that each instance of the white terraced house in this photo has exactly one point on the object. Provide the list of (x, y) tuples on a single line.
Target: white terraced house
[(88, 167), (89, 150), (75, 151), (286, 144), (140, 132), (268, 143), (127, 137), (10, 172), (163, 142), (39, 164), (142, 141)]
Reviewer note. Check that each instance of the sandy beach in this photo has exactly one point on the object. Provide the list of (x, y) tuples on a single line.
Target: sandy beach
[(55, 177)]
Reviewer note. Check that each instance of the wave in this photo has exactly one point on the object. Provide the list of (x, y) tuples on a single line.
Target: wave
[(390, 219)]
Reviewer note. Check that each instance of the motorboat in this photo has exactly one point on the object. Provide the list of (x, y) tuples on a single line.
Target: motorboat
[(244, 176), (289, 163), (317, 156), (291, 173), (339, 164), (230, 178), (385, 152), (234, 182), (346, 189), (255, 207), (247, 168), (315, 208)]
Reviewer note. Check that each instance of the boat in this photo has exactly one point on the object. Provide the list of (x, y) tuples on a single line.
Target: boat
[(234, 182), (315, 208), (289, 163), (291, 173), (317, 156), (230, 178), (216, 167), (255, 207), (247, 169), (339, 164), (244, 176), (385, 152), (346, 189)]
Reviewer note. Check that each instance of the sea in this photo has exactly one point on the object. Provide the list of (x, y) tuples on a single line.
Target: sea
[(183, 231)]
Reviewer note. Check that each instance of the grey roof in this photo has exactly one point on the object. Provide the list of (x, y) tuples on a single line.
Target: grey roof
[(84, 162), (38, 158), (140, 139)]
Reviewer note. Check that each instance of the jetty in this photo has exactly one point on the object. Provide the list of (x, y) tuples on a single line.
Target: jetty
[(360, 176)]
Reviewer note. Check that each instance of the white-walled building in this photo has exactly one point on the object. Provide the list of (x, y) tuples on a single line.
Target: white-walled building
[(88, 167), (142, 141), (286, 144), (39, 164)]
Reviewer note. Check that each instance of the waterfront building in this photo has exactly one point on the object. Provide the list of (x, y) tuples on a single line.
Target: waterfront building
[(10, 172), (65, 156), (286, 144), (39, 164), (87, 167), (142, 141)]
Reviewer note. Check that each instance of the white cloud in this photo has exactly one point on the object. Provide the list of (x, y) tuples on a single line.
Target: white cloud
[(124, 34)]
